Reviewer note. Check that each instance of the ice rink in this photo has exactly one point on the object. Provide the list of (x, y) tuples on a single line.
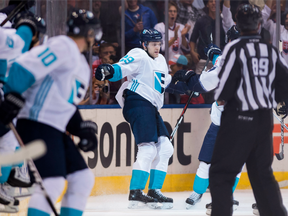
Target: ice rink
[(117, 205)]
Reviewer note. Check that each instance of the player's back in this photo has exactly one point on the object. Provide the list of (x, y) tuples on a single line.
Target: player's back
[(60, 77)]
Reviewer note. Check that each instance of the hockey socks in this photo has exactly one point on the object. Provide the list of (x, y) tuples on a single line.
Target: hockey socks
[(200, 184), (157, 178), (138, 180)]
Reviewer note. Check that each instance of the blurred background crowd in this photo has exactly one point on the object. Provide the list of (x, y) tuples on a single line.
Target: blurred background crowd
[(192, 25)]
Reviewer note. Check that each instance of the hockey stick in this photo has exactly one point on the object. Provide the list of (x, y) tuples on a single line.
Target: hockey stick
[(14, 12), (185, 108), (285, 126), (280, 156), (34, 170), (34, 150)]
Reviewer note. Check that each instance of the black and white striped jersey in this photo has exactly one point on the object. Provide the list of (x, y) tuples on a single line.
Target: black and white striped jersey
[(252, 75)]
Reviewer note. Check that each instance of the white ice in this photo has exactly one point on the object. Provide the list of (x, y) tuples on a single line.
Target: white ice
[(110, 205)]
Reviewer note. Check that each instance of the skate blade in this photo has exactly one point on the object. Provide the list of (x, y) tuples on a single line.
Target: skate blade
[(9, 209), (166, 205), (154, 205), (255, 212), (138, 205), (188, 206)]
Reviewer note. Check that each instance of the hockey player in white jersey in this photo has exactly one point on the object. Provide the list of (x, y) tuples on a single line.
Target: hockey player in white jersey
[(52, 79), (13, 43), (141, 96), (204, 84)]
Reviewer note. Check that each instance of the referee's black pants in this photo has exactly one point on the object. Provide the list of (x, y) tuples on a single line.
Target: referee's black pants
[(245, 137)]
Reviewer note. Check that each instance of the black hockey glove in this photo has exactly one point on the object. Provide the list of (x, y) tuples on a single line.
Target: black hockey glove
[(182, 75), (10, 107), (87, 135), (282, 110), (104, 72), (212, 50), (26, 18)]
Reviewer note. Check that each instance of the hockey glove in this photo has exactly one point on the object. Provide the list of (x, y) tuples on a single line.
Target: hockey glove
[(281, 110), (212, 50), (182, 75), (88, 140), (10, 107), (26, 18), (104, 72)]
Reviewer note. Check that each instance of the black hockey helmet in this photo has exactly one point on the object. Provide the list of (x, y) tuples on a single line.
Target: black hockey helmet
[(248, 17), (232, 34), (148, 35), (81, 21), (28, 18)]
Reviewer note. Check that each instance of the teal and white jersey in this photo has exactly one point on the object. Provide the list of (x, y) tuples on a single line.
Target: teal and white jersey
[(11, 47), (146, 76), (52, 78)]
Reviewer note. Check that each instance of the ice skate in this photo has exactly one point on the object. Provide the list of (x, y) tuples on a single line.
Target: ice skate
[(193, 199), (167, 203), (136, 196), (10, 208), (19, 177), (6, 199), (209, 207), (255, 209), (18, 192)]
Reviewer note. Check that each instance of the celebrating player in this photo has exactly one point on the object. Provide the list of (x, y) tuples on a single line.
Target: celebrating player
[(53, 78), (141, 96)]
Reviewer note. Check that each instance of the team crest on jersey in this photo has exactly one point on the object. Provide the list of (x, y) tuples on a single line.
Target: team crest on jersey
[(9, 42), (78, 91), (159, 81), (285, 47)]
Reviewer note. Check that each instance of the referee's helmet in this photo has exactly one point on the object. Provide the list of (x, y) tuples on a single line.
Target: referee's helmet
[(248, 17)]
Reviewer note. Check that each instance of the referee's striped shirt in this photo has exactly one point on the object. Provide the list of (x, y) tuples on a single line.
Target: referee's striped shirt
[(252, 75)]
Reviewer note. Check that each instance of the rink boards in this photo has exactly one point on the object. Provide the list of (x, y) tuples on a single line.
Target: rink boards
[(112, 161)]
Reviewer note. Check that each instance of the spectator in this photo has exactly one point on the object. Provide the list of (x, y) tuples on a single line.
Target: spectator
[(108, 14), (204, 30), (188, 14), (107, 54), (177, 34), (100, 93), (137, 17)]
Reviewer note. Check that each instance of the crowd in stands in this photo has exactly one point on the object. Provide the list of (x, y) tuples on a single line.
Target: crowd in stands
[(192, 26)]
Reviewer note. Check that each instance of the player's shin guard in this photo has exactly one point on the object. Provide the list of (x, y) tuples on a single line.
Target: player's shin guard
[(38, 205), (80, 184), (145, 155), (201, 180)]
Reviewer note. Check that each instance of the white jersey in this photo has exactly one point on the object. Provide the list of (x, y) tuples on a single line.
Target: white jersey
[(56, 76), (11, 46), (209, 79), (216, 112), (3, 16), (176, 47), (271, 27), (227, 21), (146, 76)]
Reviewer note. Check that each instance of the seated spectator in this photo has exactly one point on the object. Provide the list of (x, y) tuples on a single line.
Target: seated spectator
[(107, 54), (204, 32), (188, 14), (137, 17), (178, 62), (100, 93), (177, 33)]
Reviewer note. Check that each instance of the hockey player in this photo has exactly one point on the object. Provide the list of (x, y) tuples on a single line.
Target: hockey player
[(201, 180), (14, 42), (141, 96), (53, 78)]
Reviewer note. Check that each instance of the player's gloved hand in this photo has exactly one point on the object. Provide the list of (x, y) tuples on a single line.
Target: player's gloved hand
[(212, 50), (26, 18), (87, 135), (10, 107), (104, 72), (282, 110), (182, 75)]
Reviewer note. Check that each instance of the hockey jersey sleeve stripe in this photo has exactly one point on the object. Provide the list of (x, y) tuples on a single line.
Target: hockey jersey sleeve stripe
[(117, 73), (19, 79), (3, 68), (26, 34)]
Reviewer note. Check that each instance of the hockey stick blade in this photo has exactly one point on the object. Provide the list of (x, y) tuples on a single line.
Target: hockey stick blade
[(32, 150), (280, 156)]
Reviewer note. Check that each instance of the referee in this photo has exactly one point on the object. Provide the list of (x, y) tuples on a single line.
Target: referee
[(253, 79)]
